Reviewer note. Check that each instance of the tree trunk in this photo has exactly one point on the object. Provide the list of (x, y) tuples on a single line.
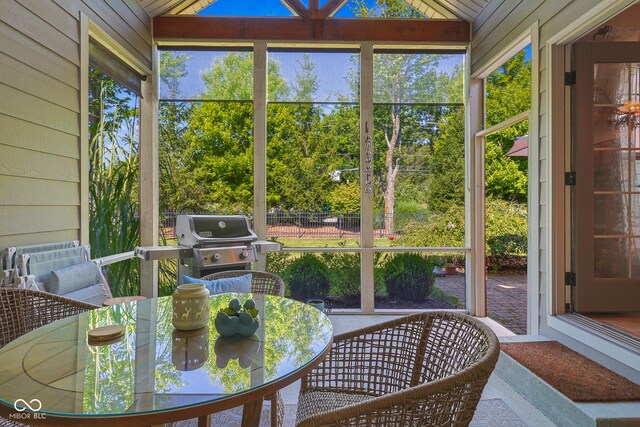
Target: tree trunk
[(392, 166)]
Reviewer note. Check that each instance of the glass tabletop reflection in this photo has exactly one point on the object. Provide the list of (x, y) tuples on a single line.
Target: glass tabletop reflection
[(155, 367)]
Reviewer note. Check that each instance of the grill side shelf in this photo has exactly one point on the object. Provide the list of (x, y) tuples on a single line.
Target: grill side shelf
[(157, 253)]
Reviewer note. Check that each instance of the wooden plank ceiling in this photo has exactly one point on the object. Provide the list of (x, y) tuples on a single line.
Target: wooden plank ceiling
[(466, 10)]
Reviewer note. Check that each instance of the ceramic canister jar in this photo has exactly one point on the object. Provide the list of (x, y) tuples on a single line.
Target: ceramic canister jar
[(190, 307)]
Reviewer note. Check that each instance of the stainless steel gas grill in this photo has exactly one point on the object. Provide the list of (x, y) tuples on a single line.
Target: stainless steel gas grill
[(210, 243), (218, 243)]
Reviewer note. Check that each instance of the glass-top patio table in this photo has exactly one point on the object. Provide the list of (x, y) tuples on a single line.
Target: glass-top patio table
[(156, 374)]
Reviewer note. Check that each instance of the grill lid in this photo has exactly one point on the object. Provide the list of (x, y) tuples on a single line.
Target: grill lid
[(208, 230)]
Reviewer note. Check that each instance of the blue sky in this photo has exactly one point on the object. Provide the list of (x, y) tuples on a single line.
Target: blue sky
[(332, 68), (263, 8), (246, 8)]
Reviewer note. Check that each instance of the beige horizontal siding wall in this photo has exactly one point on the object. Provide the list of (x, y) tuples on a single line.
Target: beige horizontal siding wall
[(498, 24), (40, 109)]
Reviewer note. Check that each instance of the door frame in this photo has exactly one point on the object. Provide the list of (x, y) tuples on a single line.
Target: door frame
[(477, 132), (554, 206)]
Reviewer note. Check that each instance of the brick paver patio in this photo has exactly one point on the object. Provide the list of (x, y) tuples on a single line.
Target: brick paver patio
[(506, 298)]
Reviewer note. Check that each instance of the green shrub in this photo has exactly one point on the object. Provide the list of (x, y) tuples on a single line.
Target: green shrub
[(345, 198), (278, 263), (409, 276), (506, 225), (344, 274), (308, 278), (507, 228)]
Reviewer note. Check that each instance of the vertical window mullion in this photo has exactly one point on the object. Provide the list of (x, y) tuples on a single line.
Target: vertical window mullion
[(366, 190), (260, 145)]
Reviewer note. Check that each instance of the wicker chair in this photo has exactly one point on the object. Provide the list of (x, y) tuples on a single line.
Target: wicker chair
[(261, 281), (23, 310), (268, 284), (426, 369)]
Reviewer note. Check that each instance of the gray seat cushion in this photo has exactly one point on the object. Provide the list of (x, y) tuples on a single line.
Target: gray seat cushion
[(41, 264), (92, 294), (75, 277)]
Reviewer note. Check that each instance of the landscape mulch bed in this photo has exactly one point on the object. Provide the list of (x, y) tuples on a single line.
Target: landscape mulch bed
[(387, 303), (575, 376)]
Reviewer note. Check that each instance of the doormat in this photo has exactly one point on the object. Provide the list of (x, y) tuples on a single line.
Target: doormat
[(575, 376)]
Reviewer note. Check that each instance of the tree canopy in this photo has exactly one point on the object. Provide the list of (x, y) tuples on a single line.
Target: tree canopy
[(313, 155), (508, 93)]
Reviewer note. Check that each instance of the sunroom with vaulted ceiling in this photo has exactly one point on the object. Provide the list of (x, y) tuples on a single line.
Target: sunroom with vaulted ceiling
[(332, 159)]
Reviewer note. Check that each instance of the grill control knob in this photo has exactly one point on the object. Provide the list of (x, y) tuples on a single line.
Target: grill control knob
[(244, 255), (215, 257)]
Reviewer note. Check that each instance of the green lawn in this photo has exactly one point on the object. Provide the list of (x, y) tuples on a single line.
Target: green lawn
[(315, 243), (329, 243)]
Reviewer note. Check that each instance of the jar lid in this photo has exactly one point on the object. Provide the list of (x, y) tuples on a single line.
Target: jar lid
[(105, 334), (190, 287)]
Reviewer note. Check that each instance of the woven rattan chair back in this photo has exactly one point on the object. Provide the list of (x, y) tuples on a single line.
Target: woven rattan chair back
[(261, 281), (426, 369), (23, 310)]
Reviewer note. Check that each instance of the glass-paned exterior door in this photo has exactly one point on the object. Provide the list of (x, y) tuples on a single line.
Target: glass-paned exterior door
[(607, 192)]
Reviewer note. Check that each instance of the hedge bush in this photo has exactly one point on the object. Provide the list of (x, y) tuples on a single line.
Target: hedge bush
[(506, 229), (308, 278), (409, 276), (344, 273)]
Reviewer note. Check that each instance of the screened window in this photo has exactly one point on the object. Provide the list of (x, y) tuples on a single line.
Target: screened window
[(313, 155), (114, 132), (418, 147), (206, 131)]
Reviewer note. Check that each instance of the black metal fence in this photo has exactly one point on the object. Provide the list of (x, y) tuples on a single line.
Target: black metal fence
[(299, 225)]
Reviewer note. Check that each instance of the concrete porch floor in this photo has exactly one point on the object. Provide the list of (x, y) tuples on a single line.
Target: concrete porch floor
[(500, 405)]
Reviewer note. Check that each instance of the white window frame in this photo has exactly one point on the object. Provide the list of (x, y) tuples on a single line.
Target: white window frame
[(148, 144), (478, 133)]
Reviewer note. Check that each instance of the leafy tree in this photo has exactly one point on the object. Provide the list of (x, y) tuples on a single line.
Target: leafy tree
[(508, 93), (398, 79), (176, 192), (505, 178), (306, 143), (446, 178), (509, 89), (218, 162), (297, 175), (345, 197), (306, 80), (341, 132)]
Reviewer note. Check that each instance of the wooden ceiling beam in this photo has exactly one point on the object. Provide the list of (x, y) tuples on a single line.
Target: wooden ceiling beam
[(314, 9), (296, 7), (199, 28), (330, 7)]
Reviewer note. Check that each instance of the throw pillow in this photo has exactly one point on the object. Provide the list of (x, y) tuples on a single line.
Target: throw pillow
[(73, 278), (227, 284)]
